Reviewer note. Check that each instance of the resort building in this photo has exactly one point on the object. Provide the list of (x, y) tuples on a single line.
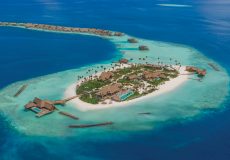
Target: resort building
[(106, 75), (109, 90), (118, 34), (133, 77), (132, 40), (122, 95), (151, 75), (123, 61)]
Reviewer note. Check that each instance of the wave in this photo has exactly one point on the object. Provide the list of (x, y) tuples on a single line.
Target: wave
[(173, 5)]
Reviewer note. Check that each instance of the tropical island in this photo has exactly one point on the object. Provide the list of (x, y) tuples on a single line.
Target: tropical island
[(125, 81)]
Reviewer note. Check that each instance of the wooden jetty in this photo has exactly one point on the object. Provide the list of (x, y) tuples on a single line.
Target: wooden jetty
[(196, 79), (62, 102), (147, 113), (21, 90), (214, 66), (68, 115), (43, 112), (90, 125)]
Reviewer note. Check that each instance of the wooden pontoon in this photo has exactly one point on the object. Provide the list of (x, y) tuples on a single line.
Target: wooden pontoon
[(145, 113), (62, 102), (90, 125), (20, 90), (68, 115), (214, 66)]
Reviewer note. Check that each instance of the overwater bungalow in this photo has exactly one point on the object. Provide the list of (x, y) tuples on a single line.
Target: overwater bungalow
[(201, 73), (143, 48), (40, 107), (118, 34), (132, 40), (123, 61)]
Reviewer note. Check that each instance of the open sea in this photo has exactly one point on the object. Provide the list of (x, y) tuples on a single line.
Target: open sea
[(192, 123)]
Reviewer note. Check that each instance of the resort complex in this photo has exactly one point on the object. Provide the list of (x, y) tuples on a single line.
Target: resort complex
[(124, 81)]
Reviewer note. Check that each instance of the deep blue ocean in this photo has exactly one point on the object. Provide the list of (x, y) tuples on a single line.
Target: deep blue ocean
[(24, 54)]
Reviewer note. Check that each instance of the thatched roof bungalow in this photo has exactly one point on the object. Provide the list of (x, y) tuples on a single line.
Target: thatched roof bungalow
[(110, 89), (106, 75), (143, 48), (123, 61)]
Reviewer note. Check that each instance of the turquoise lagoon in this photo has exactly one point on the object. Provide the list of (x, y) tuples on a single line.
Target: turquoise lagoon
[(191, 99)]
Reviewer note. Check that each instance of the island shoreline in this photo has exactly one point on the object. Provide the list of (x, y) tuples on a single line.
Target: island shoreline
[(168, 86)]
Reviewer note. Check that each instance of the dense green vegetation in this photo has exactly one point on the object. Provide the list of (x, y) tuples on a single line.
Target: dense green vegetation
[(90, 99), (156, 82), (90, 85)]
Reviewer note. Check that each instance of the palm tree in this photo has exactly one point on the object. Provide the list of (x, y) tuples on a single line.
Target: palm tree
[(176, 62), (158, 60)]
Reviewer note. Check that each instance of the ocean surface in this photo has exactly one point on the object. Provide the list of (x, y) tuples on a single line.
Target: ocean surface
[(192, 123)]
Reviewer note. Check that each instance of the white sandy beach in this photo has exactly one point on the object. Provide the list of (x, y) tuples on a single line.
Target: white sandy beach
[(167, 87)]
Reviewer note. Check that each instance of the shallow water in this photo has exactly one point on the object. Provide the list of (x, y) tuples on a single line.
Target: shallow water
[(188, 101), (172, 131)]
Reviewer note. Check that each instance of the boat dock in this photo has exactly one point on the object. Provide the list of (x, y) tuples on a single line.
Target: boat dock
[(214, 66), (21, 90), (68, 115), (90, 125)]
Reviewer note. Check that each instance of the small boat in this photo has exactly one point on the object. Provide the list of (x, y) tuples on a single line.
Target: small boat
[(90, 125)]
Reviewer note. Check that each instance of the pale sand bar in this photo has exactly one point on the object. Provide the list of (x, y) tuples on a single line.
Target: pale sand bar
[(164, 88)]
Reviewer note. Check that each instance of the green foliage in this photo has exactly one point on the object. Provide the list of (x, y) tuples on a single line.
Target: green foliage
[(124, 71), (124, 80), (156, 82), (93, 99), (90, 85)]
